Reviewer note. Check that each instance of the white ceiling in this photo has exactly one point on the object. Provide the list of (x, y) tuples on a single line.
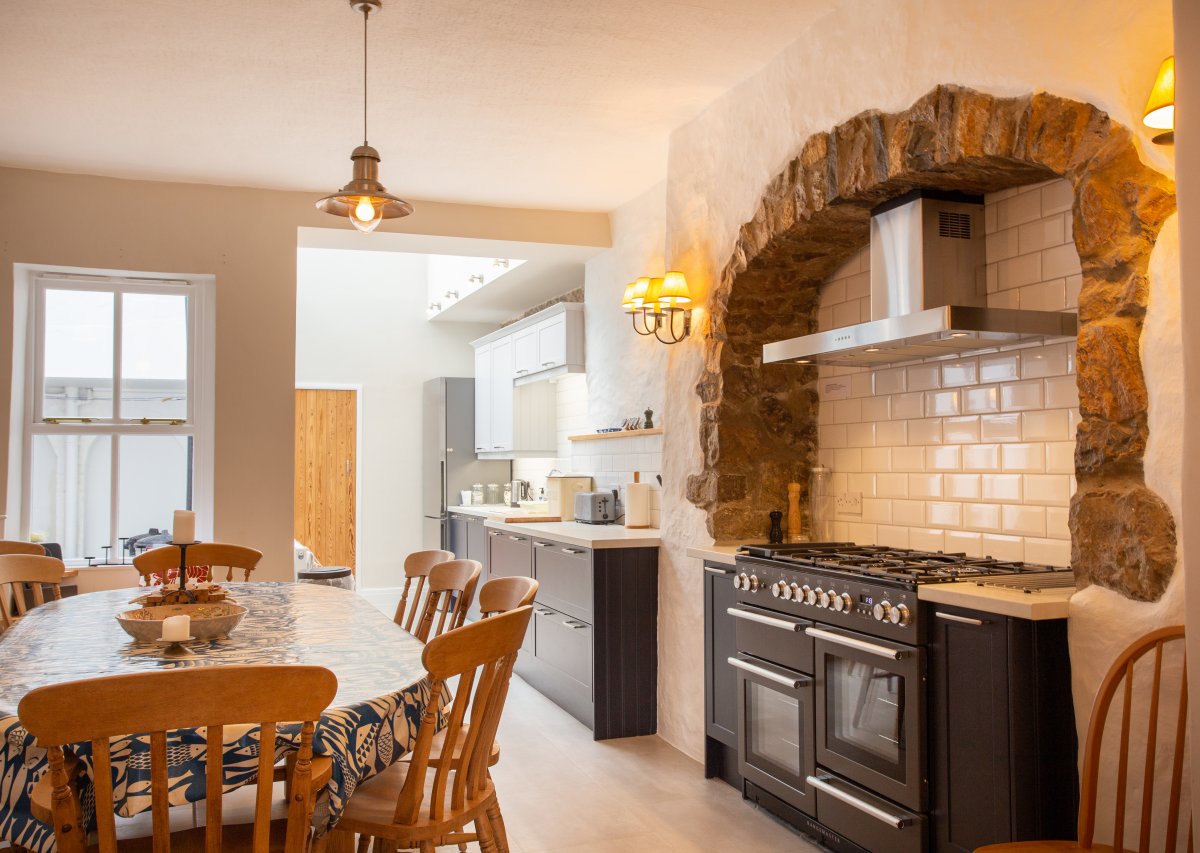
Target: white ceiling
[(534, 103)]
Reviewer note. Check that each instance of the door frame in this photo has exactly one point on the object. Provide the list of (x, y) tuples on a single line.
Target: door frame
[(358, 466)]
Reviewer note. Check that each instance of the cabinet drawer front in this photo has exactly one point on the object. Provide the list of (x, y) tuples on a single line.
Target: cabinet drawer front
[(508, 554), (563, 643), (564, 575)]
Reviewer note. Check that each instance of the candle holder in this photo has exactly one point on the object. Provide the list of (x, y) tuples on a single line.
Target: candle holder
[(176, 648), (183, 546)]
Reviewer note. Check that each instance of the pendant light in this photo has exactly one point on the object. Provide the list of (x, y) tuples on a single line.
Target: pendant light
[(364, 200)]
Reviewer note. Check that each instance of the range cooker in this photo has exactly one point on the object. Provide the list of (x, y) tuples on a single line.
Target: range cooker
[(832, 685)]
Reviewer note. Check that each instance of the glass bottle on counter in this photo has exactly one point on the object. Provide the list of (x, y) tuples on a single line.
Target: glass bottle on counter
[(820, 504)]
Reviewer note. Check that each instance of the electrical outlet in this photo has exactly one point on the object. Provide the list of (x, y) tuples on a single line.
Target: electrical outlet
[(849, 503)]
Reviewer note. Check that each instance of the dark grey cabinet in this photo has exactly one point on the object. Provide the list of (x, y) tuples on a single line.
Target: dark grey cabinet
[(476, 549), (720, 679), (456, 535), (594, 631), (1002, 729)]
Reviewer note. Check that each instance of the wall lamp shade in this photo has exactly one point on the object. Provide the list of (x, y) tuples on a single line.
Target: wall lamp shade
[(654, 302), (365, 200), (1160, 106)]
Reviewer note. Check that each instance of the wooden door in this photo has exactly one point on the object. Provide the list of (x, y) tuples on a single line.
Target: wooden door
[(326, 438)]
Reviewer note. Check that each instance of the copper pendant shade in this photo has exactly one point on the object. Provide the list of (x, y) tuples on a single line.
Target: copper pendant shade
[(364, 200)]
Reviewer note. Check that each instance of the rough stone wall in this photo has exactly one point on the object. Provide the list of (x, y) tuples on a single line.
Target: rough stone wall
[(814, 214), (575, 295)]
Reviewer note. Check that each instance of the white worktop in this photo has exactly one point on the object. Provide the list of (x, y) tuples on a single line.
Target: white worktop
[(567, 532), (1035, 606)]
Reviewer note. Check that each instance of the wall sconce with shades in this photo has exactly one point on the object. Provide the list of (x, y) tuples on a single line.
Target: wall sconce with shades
[(654, 303), (1160, 106)]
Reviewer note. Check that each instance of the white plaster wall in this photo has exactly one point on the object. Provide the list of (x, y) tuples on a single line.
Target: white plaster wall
[(360, 320), (865, 54)]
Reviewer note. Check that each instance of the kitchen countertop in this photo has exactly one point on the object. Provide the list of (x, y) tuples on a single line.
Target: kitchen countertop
[(1047, 604), (568, 532), (723, 554)]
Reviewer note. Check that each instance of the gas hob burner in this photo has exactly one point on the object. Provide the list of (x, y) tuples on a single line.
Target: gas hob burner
[(900, 564)]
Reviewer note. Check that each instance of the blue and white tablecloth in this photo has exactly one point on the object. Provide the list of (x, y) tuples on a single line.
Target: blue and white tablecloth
[(382, 693)]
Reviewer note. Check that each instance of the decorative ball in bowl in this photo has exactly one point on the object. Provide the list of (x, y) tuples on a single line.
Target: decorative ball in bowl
[(208, 621)]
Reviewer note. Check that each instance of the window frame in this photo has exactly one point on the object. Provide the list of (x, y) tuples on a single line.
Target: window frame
[(198, 423)]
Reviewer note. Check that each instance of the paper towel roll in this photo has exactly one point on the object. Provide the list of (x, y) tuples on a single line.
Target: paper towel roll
[(637, 503)]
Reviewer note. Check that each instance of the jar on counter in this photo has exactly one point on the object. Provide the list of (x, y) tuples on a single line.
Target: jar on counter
[(492, 494), (477, 493)]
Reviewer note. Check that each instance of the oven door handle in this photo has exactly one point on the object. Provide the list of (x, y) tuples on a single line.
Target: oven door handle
[(893, 820), (761, 672), (763, 619), (861, 645)]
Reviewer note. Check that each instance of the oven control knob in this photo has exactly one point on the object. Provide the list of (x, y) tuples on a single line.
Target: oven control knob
[(899, 615), (822, 599), (808, 595), (741, 581), (777, 589), (795, 593), (882, 611), (754, 583), (843, 603)]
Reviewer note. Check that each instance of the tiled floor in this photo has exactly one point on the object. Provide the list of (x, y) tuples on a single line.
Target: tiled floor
[(562, 791)]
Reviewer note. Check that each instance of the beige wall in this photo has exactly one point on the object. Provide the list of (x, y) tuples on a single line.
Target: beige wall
[(247, 239)]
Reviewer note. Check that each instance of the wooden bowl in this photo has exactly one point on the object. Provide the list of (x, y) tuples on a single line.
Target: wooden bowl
[(208, 621)]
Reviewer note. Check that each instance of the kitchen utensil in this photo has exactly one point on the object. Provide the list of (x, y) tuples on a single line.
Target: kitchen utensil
[(597, 507), (776, 534), (820, 502), (794, 529), (519, 490)]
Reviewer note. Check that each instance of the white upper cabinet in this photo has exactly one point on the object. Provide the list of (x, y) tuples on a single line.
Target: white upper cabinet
[(514, 408)]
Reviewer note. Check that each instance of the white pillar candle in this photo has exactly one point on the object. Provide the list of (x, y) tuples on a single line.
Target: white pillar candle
[(184, 529), (176, 628)]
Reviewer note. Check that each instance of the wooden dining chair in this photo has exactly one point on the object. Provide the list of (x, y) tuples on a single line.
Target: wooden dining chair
[(451, 591), (1121, 675), (153, 703), (156, 562), (416, 574), (499, 595), (16, 570), (16, 546), (216, 555), (414, 804)]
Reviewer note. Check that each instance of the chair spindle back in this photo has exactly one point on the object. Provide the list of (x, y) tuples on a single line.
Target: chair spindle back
[(223, 555), (16, 570), (499, 595), (416, 573), (451, 591)]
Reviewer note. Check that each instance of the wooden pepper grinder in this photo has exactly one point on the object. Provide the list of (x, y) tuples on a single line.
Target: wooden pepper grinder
[(793, 525)]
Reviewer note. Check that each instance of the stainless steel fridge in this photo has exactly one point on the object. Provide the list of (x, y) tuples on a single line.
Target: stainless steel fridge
[(449, 462)]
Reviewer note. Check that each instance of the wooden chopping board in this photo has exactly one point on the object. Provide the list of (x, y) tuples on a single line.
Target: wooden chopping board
[(529, 519)]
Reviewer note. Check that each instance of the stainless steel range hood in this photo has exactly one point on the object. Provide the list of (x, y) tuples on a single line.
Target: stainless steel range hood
[(928, 292)]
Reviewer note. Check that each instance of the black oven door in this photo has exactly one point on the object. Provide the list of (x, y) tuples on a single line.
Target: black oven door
[(870, 698), (775, 730)]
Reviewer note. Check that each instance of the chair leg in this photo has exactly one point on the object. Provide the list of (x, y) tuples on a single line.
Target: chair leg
[(364, 844), (427, 847), (497, 825), (487, 839)]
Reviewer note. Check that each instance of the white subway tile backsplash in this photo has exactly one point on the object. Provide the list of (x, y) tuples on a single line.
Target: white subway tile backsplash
[(909, 513), (925, 431), (941, 403), (1003, 547), (923, 377), (971, 453), (1001, 487), (984, 517), (980, 400), (1001, 367), (1004, 427), (1046, 425), (924, 485), (1051, 552), (1023, 520), (908, 459), (1019, 396), (910, 405), (961, 486), (962, 541), (1026, 458)]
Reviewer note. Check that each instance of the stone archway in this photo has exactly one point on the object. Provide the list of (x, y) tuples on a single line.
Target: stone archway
[(758, 422)]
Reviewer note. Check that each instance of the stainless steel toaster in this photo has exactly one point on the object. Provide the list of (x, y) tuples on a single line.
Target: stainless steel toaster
[(597, 507)]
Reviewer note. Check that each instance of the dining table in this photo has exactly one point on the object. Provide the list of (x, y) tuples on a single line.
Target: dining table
[(383, 691)]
